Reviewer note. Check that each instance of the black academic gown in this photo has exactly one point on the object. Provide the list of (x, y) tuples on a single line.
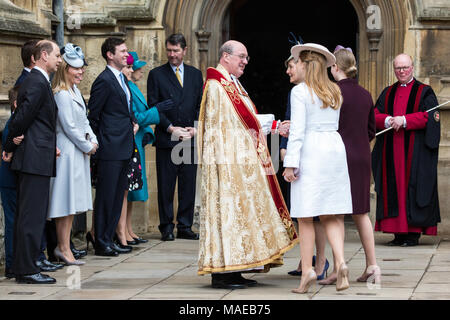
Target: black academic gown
[(421, 154)]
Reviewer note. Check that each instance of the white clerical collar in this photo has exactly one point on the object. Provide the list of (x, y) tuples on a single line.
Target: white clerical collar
[(43, 72), (238, 84), (405, 84)]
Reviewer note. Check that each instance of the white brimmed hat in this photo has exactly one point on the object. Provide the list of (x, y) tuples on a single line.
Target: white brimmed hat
[(295, 51)]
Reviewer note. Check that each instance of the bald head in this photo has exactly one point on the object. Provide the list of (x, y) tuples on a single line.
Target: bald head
[(403, 58), (234, 57), (403, 68)]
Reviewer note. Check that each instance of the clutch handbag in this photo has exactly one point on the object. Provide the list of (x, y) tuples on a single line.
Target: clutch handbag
[(134, 172)]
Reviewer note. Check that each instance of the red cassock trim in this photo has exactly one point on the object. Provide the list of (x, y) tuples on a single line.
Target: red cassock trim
[(252, 124), (412, 136), (385, 188)]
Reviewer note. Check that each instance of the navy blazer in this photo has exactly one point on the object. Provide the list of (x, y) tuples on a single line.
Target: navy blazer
[(110, 119), (162, 84), (287, 116), (7, 176), (21, 78), (35, 118)]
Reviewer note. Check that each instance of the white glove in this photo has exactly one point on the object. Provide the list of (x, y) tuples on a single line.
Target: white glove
[(265, 121)]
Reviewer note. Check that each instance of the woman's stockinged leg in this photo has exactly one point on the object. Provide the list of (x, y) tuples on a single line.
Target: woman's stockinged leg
[(306, 232), (320, 240), (364, 226)]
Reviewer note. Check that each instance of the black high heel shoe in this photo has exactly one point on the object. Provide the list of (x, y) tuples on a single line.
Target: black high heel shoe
[(140, 240), (89, 238)]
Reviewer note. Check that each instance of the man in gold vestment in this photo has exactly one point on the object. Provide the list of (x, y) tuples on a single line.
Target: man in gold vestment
[(244, 223)]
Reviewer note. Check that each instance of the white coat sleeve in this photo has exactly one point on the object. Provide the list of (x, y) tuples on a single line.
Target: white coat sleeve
[(75, 134), (297, 128), (265, 121)]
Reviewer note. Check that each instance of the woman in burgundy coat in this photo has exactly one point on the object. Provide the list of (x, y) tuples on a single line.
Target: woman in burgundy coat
[(357, 129)]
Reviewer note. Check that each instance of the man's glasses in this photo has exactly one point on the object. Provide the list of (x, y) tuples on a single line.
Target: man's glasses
[(402, 68), (241, 56)]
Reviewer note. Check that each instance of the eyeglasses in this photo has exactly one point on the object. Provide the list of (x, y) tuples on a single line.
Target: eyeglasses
[(401, 68), (241, 56)]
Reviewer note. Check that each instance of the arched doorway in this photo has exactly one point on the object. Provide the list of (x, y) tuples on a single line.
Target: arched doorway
[(326, 22)]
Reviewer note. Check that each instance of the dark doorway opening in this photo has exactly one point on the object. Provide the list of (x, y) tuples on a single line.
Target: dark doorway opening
[(263, 26)]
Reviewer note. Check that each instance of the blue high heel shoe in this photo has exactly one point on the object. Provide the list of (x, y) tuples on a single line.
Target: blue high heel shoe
[(299, 273), (325, 271)]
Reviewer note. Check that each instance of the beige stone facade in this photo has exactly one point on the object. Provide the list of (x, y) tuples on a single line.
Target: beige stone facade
[(420, 28)]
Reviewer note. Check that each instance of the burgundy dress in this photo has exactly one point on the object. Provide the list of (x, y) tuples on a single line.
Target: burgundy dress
[(357, 129)]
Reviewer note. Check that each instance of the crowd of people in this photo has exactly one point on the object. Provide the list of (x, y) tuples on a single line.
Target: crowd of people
[(56, 148)]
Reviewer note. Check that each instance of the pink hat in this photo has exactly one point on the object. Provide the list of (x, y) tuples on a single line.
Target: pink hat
[(130, 60)]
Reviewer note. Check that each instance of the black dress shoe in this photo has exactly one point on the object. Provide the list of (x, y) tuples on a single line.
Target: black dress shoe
[(168, 236), (225, 281), (120, 248), (50, 264), (37, 278), (395, 243), (409, 243), (132, 243), (187, 234), (238, 278), (78, 253), (295, 273), (9, 274), (46, 267), (140, 240), (106, 252)]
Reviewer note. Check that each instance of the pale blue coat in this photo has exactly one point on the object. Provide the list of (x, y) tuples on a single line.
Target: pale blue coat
[(145, 117), (70, 190)]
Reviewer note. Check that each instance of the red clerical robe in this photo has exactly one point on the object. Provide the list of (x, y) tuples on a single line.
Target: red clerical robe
[(394, 179)]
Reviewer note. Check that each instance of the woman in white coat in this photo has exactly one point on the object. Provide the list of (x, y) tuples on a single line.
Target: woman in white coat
[(315, 160), (70, 190)]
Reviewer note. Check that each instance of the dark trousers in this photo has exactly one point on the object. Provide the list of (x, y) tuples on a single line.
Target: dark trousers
[(407, 236), (9, 201), (50, 239), (31, 214), (110, 190), (167, 173)]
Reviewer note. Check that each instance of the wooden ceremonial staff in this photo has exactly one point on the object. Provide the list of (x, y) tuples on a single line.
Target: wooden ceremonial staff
[(441, 105)]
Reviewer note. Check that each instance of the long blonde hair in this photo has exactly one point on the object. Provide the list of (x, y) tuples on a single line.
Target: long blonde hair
[(316, 78), (60, 82)]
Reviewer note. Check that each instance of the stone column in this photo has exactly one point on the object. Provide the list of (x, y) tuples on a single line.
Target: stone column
[(374, 37), (203, 40)]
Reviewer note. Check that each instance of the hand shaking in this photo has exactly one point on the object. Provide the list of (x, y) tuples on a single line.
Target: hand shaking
[(283, 128)]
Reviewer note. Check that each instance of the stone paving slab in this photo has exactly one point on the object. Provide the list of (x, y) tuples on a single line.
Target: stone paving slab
[(168, 270)]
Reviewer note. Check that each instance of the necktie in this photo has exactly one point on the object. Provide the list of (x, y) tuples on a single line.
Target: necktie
[(124, 87), (177, 73)]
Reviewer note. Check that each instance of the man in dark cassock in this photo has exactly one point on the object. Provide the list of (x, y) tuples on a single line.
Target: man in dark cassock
[(404, 160)]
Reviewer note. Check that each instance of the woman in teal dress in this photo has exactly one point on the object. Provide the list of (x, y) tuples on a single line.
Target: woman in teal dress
[(145, 116)]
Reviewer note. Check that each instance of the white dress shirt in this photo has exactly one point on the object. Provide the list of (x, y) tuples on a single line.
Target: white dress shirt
[(180, 70), (117, 75), (43, 72)]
